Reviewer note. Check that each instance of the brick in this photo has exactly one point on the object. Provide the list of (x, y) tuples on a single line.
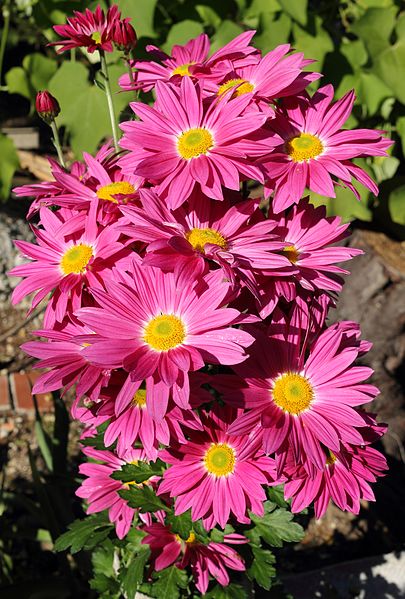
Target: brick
[(21, 391), (5, 402), (44, 400)]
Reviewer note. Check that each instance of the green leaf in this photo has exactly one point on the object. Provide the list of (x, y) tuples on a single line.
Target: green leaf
[(181, 33), (262, 569), (274, 528), (297, 9), (371, 91), (208, 16), (138, 473), (345, 204), (375, 28), (44, 443), (232, 591), (396, 205), (18, 83), (224, 34), (276, 495), (181, 525), (354, 51), (84, 534), (9, 164), (142, 15), (314, 42), (400, 125), (275, 30), (169, 582), (33, 76), (389, 67), (400, 26), (143, 498), (98, 440), (133, 576)]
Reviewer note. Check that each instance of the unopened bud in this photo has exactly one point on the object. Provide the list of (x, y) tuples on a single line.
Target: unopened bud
[(47, 106), (124, 36)]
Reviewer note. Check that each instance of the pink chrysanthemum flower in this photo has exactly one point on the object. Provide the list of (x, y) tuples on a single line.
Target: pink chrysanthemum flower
[(308, 236), (344, 478), (216, 474), (200, 232), (101, 491), (63, 355), (160, 328), (190, 60), (274, 76), (182, 142), (205, 560), (313, 148), (302, 394), (91, 30), (73, 252)]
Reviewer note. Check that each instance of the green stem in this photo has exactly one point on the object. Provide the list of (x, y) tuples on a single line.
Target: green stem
[(56, 143), (107, 88), (4, 34), (131, 76)]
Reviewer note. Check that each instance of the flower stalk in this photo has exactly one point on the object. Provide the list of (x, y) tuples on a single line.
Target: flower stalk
[(107, 89)]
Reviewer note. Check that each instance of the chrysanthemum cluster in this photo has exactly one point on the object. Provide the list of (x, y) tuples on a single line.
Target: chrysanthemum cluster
[(157, 272)]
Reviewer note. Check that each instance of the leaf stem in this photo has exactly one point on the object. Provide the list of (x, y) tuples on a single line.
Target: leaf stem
[(56, 143), (107, 89), (4, 34)]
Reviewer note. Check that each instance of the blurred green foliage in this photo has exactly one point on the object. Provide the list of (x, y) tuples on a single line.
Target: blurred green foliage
[(357, 44)]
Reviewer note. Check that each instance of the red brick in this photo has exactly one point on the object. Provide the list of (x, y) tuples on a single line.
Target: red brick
[(21, 390), (44, 400), (5, 403)]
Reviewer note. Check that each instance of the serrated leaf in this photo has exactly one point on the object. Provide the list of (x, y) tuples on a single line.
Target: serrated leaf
[(232, 591), (84, 534), (396, 205), (181, 525), (297, 9), (276, 495), (143, 498), (138, 473), (133, 577), (262, 569), (276, 527), (169, 582), (9, 164)]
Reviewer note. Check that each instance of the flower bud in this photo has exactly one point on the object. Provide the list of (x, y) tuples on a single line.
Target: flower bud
[(124, 36), (47, 106)]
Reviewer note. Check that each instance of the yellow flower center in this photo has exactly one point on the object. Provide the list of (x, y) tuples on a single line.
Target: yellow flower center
[(200, 237), (76, 258), (96, 37), (194, 142), (291, 252), (183, 69), (292, 393), (139, 399), (242, 87), (107, 192), (190, 539), (303, 147), (220, 459), (164, 332)]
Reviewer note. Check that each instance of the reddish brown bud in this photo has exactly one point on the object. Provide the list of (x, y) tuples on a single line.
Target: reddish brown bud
[(124, 36), (47, 106)]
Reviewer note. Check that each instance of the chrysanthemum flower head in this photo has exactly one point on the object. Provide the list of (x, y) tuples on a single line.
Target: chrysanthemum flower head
[(205, 560), (159, 328), (313, 148), (181, 142), (216, 474), (91, 30)]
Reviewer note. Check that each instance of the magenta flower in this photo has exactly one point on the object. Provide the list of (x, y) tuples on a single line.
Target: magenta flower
[(313, 148), (101, 491), (91, 30), (182, 142), (159, 328), (190, 60), (47, 106), (301, 390), (73, 253), (200, 232), (345, 478), (63, 355), (205, 560), (216, 474)]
